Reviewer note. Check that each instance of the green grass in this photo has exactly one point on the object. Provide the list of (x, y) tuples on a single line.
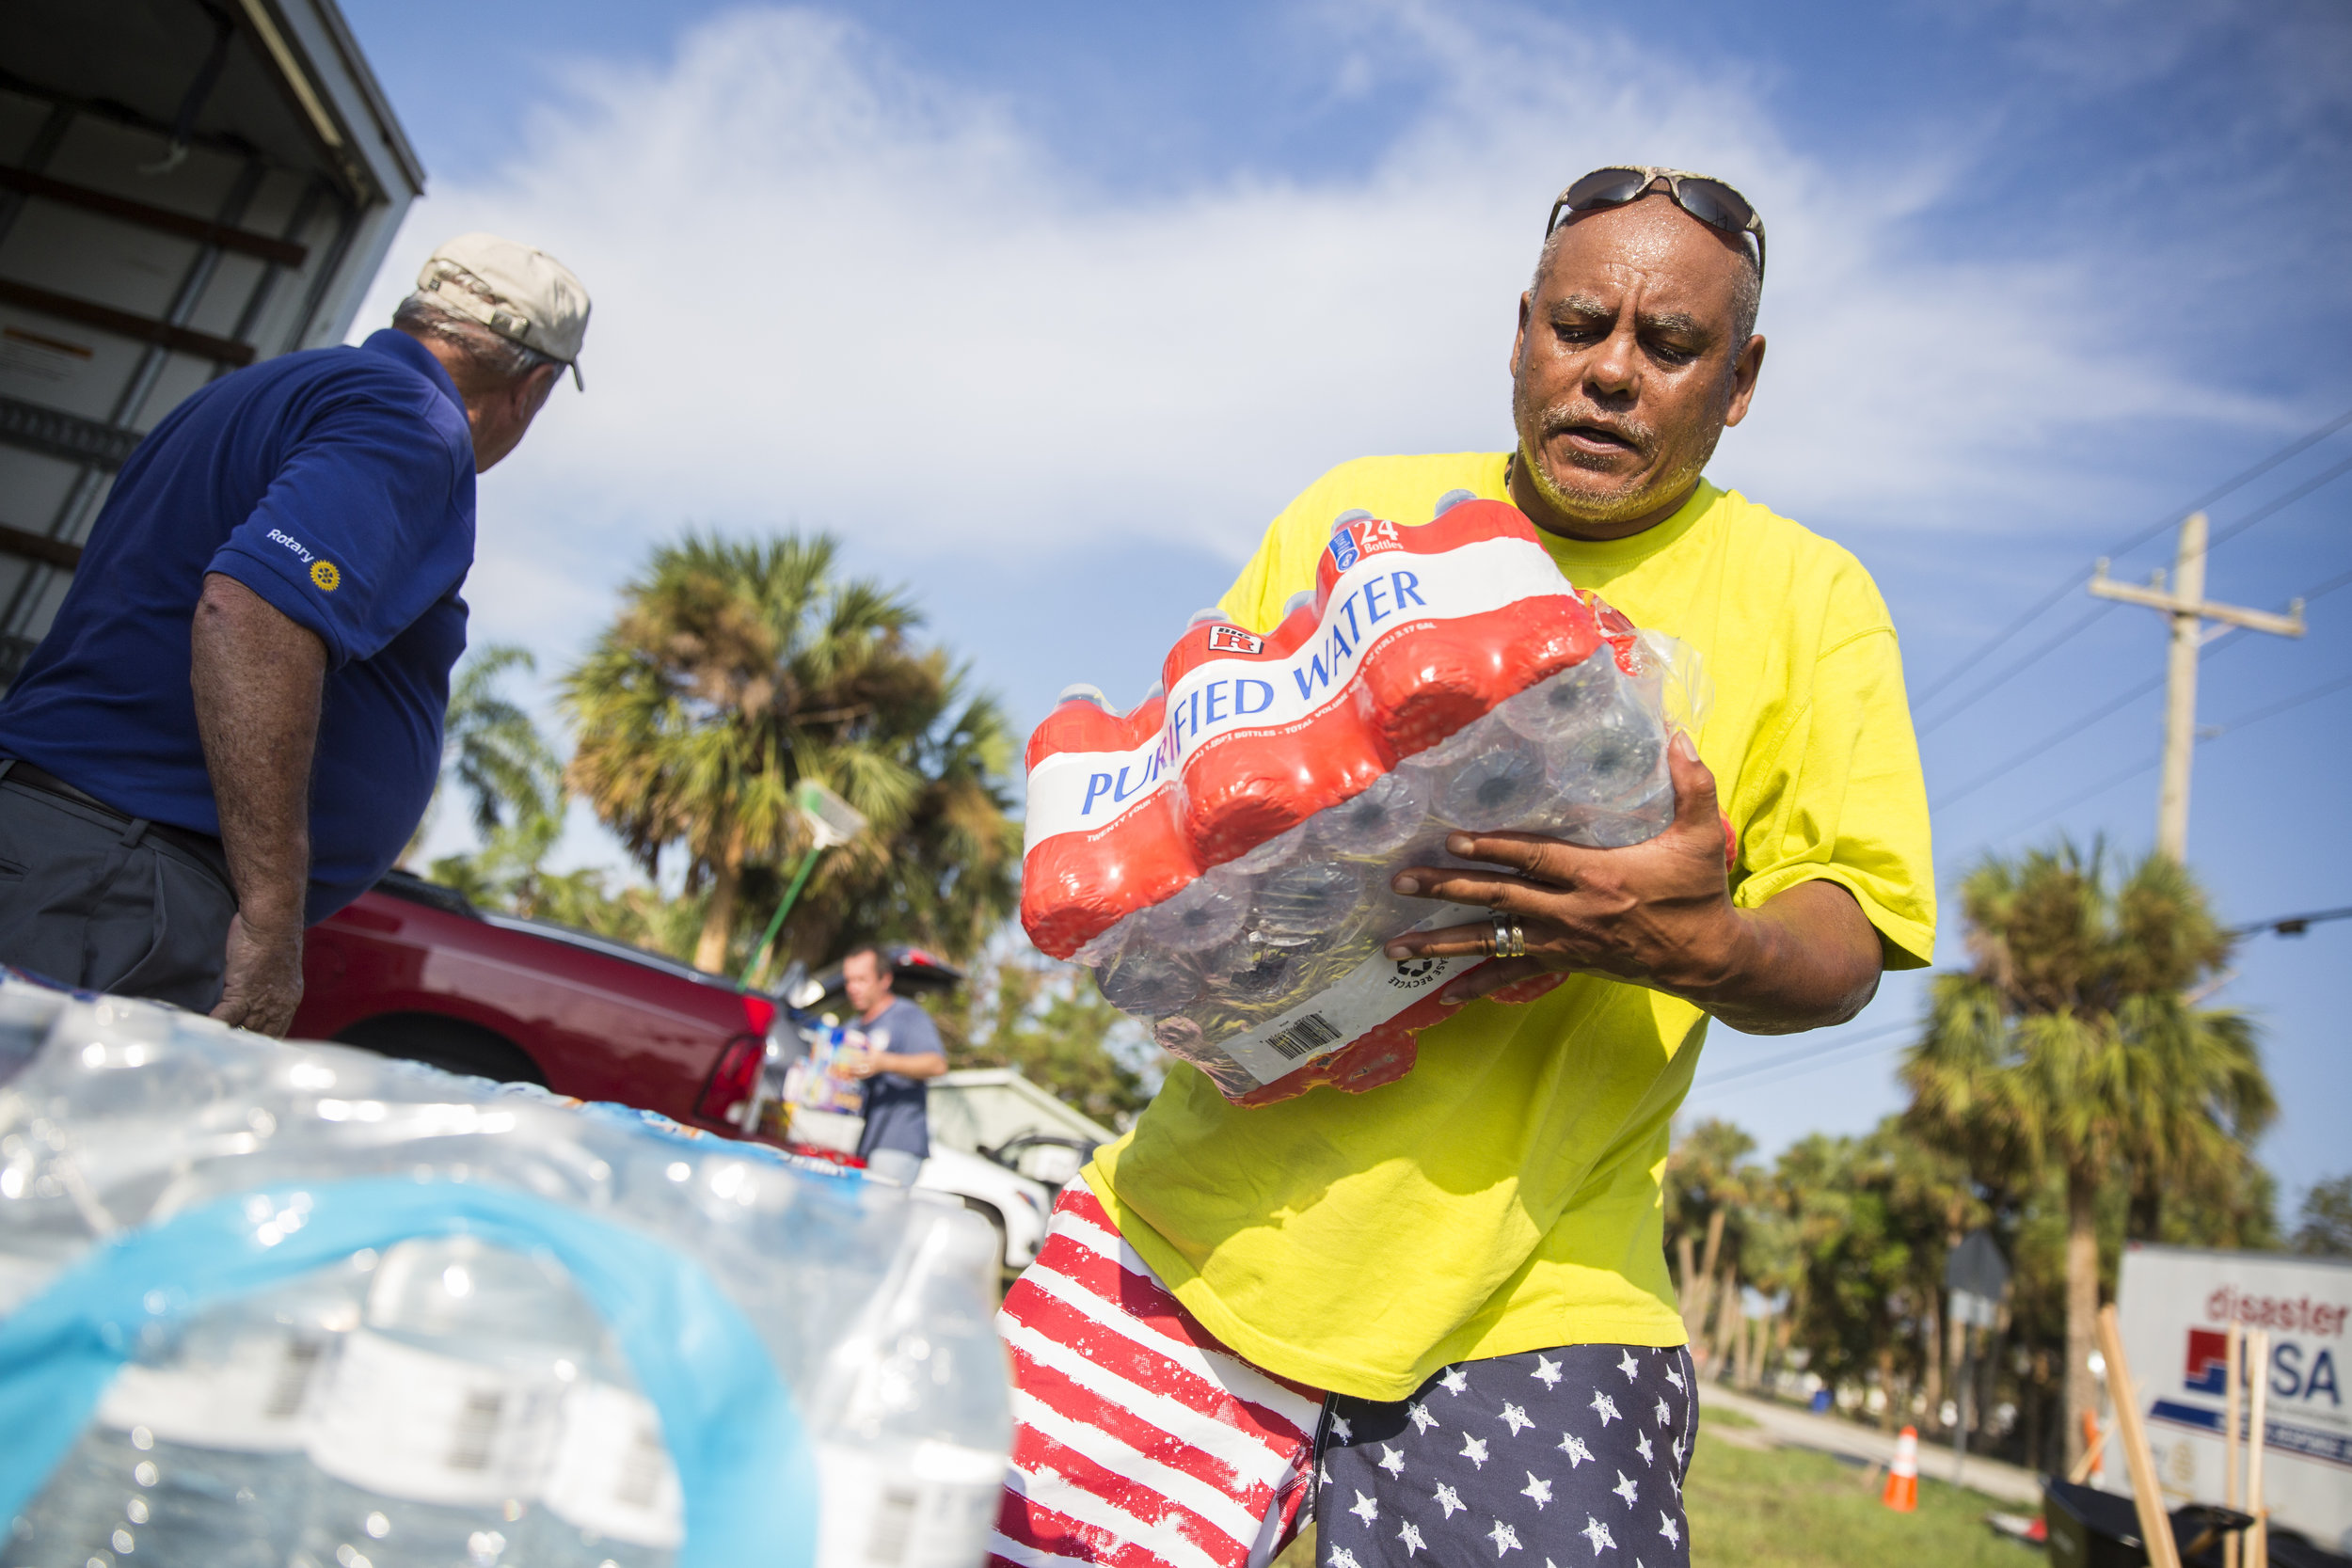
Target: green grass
[(1787, 1508)]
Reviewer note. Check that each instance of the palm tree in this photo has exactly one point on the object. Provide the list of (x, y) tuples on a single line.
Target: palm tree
[(736, 670), (2074, 1046), (493, 751)]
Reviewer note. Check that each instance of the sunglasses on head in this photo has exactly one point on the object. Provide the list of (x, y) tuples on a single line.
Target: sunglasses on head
[(1707, 200)]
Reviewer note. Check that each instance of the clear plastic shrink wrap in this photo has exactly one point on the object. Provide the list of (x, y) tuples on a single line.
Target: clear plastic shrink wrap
[(1220, 856), (265, 1306)]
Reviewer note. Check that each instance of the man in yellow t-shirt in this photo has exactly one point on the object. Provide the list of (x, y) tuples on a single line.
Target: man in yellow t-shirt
[(1465, 1267)]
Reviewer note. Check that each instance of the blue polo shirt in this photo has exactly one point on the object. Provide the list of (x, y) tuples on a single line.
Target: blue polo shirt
[(338, 484)]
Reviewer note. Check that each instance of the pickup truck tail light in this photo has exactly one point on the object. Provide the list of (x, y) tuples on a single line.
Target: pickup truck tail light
[(731, 1081)]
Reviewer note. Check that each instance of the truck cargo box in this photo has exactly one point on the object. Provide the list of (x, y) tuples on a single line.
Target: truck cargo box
[(186, 186)]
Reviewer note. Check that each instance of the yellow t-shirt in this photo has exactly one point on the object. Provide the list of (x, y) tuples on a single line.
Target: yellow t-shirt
[(1504, 1196)]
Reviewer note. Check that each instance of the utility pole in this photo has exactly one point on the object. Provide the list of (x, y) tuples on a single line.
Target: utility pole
[(2189, 609)]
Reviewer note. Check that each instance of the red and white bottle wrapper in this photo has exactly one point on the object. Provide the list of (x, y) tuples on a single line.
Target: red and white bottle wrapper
[(1220, 856)]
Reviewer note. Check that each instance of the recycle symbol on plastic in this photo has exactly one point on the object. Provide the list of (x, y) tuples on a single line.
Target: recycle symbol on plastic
[(1219, 856)]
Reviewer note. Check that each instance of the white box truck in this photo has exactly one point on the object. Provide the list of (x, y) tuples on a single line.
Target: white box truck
[(2176, 1304), (185, 186)]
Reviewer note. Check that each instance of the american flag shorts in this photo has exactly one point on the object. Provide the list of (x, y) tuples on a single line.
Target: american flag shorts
[(1139, 1441)]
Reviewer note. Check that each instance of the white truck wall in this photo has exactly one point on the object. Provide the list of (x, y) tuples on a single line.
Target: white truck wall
[(2174, 1304)]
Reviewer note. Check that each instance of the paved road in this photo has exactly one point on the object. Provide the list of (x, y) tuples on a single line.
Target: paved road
[(1835, 1434)]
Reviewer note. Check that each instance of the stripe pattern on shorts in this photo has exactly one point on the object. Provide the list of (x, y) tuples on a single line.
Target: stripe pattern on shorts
[(1139, 1441)]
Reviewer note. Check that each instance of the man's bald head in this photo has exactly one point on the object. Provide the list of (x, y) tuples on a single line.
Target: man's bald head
[(1635, 349)]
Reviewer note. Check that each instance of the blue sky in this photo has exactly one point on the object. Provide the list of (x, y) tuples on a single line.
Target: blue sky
[(1044, 309)]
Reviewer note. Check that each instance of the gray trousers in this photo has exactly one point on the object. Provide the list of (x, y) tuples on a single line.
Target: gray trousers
[(94, 901)]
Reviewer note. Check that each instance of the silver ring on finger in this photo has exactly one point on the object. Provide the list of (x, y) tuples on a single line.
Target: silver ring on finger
[(1499, 942), (1518, 943)]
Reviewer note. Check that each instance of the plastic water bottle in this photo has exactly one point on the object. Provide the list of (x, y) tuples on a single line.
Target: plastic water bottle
[(441, 1413), (1568, 702), (611, 1498), (1614, 765), (26, 1014), (1313, 899), (196, 1455), (911, 1457), (1209, 913), (1495, 790), (1149, 983), (1381, 819), (1255, 974)]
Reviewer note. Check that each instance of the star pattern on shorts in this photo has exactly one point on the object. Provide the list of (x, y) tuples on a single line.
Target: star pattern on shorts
[(1519, 1517)]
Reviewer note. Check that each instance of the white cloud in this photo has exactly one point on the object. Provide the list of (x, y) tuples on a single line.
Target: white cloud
[(833, 292)]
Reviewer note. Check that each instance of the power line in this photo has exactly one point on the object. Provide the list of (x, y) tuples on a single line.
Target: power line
[(1826, 1048), (2145, 764), (2280, 503), (2002, 679), (2269, 508), (2242, 721), (2292, 925), (2280, 706), (2292, 449), (2067, 731)]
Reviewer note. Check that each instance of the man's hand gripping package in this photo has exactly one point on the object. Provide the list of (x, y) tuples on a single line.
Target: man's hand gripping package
[(1220, 856)]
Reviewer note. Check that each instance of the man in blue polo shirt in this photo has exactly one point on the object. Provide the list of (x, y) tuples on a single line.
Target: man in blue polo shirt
[(235, 723)]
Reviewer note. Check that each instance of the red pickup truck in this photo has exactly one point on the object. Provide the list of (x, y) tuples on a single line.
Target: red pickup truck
[(412, 969)]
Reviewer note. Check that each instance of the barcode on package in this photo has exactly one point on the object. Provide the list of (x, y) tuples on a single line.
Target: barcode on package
[(477, 1429), (1309, 1033), (894, 1527)]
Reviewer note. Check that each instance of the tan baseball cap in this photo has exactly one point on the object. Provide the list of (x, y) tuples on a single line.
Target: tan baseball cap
[(514, 291)]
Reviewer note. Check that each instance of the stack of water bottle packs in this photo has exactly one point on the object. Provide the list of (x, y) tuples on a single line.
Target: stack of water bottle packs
[(1220, 856), (265, 1306)]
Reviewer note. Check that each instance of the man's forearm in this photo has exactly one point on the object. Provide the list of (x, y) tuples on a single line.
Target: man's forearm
[(931, 1064), (1806, 958), (257, 676)]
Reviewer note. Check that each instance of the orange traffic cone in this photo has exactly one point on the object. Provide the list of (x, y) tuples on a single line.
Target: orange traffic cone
[(1903, 1481)]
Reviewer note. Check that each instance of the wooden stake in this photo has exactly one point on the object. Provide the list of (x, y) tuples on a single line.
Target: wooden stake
[(2231, 1410), (2155, 1526), (2258, 1368)]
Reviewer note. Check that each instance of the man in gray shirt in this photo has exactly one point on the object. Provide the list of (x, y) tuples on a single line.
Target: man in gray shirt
[(902, 1051)]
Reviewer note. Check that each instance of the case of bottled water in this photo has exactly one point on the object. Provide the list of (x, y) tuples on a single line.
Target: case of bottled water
[(267, 1304), (1220, 855)]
